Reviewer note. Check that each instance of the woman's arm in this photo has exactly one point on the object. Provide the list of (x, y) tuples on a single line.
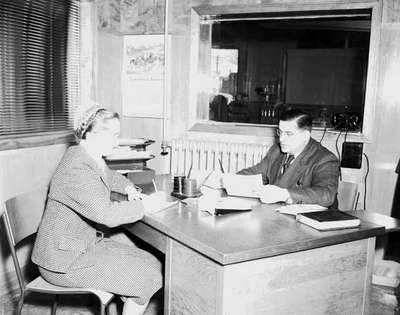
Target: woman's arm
[(83, 191)]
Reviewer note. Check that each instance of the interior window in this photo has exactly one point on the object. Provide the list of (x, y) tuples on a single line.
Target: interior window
[(316, 61)]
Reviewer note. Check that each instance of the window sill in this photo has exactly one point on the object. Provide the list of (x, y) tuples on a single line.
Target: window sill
[(258, 131), (35, 140)]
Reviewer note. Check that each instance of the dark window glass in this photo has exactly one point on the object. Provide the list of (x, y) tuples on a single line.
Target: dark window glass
[(316, 61)]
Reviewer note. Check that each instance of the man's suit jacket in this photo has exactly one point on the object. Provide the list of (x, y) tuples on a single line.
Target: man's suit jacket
[(311, 178), (78, 200)]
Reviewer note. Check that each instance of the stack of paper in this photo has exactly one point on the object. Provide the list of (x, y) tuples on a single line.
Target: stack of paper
[(132, 141), (126, 153)]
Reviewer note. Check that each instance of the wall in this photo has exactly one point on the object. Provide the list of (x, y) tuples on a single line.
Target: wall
[(22, 170), (114, 20)]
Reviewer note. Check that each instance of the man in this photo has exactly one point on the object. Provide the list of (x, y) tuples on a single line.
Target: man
[(298, 169)]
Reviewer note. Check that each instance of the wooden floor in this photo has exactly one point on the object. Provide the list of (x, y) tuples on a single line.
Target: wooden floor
[(383, 302)]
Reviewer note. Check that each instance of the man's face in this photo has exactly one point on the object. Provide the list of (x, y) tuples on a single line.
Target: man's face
[(292, 139)]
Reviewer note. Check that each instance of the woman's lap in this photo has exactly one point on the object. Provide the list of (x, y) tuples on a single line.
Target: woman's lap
[(121, 269)]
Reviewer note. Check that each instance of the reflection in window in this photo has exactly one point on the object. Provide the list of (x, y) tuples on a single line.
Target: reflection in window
[(316, 61), (224, 68)]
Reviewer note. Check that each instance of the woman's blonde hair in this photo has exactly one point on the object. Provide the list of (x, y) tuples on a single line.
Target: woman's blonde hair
[(93, 119)]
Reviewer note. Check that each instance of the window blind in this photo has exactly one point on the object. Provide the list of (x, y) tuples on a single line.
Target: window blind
[(39, 65)]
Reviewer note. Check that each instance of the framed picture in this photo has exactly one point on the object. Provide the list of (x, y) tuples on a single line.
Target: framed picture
[(142, 76)]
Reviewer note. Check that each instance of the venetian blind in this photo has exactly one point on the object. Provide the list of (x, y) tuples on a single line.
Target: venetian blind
[(39, 65)]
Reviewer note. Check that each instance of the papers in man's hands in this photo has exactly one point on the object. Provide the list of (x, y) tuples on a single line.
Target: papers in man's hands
[(242, 185), (156, 202), (299, 208)]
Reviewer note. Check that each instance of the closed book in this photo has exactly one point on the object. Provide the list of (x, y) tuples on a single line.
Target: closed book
[(328, 220)]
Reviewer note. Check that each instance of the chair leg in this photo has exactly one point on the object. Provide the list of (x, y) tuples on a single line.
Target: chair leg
[(21, 303), (102, 309), (54, 306)]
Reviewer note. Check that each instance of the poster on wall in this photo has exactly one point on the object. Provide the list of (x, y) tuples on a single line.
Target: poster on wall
[(142, 76)]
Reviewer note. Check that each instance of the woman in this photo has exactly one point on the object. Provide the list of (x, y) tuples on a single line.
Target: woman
[(70, 249)]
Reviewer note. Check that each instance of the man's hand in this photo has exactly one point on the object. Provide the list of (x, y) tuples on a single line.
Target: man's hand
[(272, 194)]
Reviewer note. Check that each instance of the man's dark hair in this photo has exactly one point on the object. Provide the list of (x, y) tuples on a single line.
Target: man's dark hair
[(304, 121)]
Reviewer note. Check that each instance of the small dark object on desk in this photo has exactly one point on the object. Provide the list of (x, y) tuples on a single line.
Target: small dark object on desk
[(229, 211), (183, 196)]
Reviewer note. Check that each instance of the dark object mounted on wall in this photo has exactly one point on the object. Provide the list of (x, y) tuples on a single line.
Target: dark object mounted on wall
[(346, 121), (352, 153)]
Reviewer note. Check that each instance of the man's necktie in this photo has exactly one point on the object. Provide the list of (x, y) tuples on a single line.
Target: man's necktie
[(286, 164)]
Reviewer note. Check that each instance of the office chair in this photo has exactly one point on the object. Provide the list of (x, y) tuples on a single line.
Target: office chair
[(21, 217), (347, 195)]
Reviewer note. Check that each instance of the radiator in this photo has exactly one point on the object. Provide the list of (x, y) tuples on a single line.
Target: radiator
[(204, 155)]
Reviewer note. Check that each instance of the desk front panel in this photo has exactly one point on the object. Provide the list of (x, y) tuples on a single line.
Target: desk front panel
[(329, 280)]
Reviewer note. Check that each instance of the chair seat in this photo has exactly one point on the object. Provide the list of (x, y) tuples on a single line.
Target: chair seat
[(41, 285)]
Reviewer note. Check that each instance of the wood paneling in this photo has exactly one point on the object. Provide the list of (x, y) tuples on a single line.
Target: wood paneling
[(384, 151), (391, 11), (193, 282), (294, 283)]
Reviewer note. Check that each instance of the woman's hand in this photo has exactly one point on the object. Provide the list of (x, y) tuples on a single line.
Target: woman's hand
[(133, 193)]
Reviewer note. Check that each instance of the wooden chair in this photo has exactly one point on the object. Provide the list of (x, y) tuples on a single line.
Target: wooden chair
[(347, 195), (21, 217)]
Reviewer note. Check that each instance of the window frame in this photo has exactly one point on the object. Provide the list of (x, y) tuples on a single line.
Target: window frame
[(46, 138), (198, 109)]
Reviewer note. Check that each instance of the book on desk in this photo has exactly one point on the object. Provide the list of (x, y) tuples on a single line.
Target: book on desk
[(328, 220)]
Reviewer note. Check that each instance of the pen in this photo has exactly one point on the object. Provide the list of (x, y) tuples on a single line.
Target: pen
[(205, 179), (220, 165), (155, 186), (190, 171)]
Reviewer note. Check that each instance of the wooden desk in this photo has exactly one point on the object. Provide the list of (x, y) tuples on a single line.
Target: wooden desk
[(259, 262)]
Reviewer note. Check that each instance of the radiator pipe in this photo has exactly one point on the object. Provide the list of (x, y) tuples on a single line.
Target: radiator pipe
[(164, 144)]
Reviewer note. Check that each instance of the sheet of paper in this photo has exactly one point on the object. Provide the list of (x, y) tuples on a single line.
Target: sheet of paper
[(238, 203), (299, 208), (156, 202), (242, 185)]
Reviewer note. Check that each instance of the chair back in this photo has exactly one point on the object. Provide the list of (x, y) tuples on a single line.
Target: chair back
[(347, 195), (21, 218)]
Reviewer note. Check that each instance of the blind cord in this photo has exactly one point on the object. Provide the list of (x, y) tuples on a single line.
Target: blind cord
[(365, 182), (338, 153), (323, 135)]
